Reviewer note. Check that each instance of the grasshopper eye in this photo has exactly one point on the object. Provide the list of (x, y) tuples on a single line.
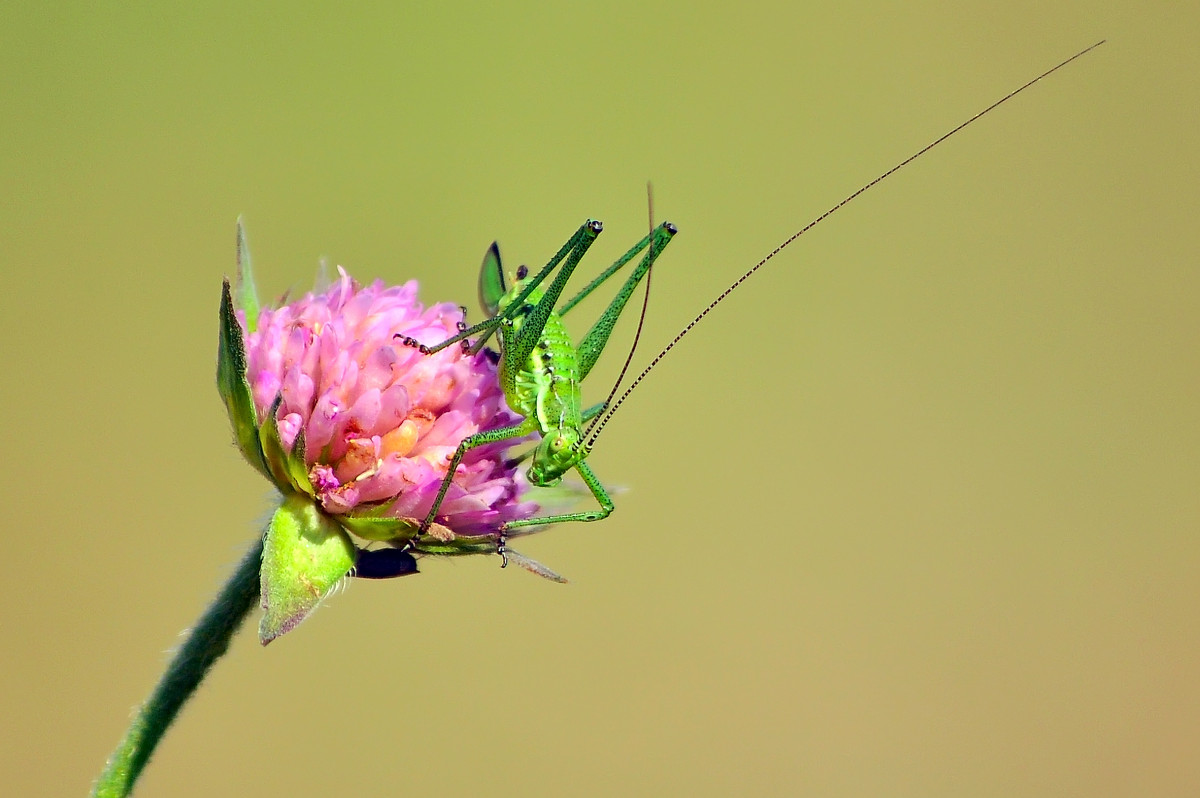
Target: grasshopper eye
[(491, 281)]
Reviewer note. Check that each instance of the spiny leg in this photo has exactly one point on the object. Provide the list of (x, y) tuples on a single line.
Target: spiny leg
[(526, 427), (461, 326), (601, 278), (572, 251), (597, 337), (593, 483), (613, 269), (519, 349)]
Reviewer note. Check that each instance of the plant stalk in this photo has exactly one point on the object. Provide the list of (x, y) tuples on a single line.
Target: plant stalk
[(204, 646)]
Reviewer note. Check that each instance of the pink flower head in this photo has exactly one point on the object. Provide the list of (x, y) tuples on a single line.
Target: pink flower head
[(380, 420), (357, 431)]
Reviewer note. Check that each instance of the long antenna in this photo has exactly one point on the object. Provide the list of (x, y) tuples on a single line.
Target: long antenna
[(599, 426)]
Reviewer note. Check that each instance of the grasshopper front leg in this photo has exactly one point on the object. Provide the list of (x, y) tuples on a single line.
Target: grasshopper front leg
[(526, 427), (602, 498), (572, 252)]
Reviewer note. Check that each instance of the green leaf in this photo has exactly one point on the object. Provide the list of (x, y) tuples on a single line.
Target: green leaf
[(247, 294), (305, 555), (234, 387)]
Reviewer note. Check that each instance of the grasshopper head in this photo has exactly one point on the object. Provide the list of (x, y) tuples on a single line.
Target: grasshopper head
[(558, 452)]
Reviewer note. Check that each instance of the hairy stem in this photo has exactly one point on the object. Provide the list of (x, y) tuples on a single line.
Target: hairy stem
[(206, 643)]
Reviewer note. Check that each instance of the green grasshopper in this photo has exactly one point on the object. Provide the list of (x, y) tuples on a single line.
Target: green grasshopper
[(541, 370)]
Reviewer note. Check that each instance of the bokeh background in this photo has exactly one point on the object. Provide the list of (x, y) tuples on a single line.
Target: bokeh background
[(914, 513)]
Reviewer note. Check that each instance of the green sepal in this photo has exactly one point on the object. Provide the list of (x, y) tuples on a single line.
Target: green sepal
[(247, 294), (287, 467), (384, 529), (234, 387), (297, 466), (305, 555), (375, 525), (460, 545)]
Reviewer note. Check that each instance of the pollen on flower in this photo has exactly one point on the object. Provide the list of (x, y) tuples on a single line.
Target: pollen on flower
[(441, 533), (380, 420), (360, 457), (399, 441)]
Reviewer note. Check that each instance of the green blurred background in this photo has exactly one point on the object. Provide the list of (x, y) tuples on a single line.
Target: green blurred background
[(914, 513)]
